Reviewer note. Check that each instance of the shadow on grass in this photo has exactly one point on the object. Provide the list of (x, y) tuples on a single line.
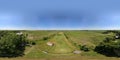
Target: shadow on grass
[(109, 52), (11, 56)]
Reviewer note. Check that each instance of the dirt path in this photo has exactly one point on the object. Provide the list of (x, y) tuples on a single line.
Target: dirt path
[(61, 45), (67, 41)]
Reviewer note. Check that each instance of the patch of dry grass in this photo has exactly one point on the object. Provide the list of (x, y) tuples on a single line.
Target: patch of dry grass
[(65, 58)]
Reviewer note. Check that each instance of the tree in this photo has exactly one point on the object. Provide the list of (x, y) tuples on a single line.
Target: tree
[(109, 47), (12, 45)]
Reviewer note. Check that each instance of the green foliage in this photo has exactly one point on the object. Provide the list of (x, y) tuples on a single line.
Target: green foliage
[(108, 46), (85, 48), (2, 33), (31, 42), (110, 31), (66, 36), (45, 38), (12, 45)]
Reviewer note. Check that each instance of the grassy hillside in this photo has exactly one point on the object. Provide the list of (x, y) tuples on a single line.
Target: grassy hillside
[(90, 38), (64, 44), (86, 37), (61, 46)]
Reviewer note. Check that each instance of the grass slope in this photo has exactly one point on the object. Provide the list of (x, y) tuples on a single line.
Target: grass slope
[(61, 44)]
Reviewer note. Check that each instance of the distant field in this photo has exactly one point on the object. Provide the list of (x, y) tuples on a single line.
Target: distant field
[(37, 35), (64, 43)]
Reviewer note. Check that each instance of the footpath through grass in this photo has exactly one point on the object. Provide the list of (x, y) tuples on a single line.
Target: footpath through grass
[(61, 44)]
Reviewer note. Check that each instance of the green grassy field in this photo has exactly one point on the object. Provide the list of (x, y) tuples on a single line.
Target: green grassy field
[(63, 46)]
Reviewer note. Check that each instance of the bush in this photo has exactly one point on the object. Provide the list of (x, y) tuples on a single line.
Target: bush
[(105, 50), (85, 48), (45, 38), (32, 42)]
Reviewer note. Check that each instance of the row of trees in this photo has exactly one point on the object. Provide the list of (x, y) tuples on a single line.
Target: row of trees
[(109, 31)]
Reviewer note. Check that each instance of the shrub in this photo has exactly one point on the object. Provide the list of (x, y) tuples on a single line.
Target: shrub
[(85, 48), (33, 43), (45, 38)]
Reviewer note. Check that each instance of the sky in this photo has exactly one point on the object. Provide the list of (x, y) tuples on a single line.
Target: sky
[(59, 14)]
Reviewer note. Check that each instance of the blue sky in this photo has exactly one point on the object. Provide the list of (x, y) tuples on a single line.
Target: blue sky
[(59, 14)]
